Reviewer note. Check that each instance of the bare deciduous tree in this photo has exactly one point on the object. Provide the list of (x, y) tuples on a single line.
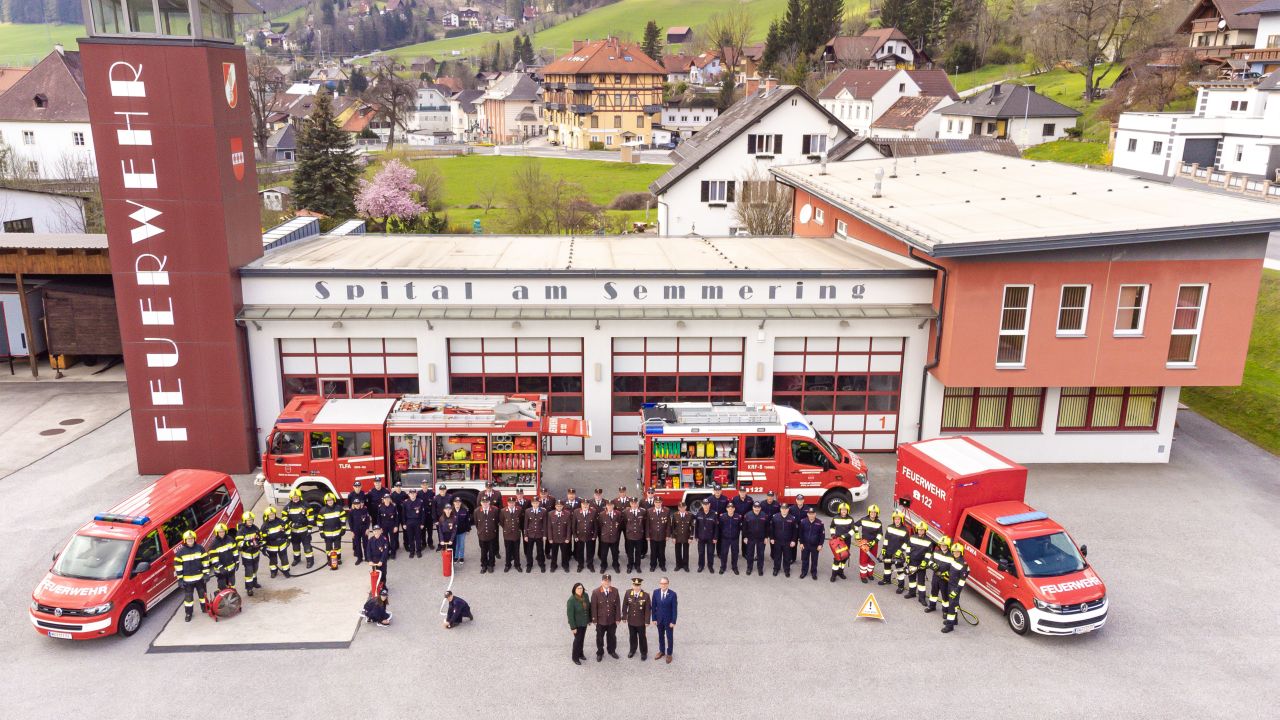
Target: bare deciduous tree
[(264, 82), (1085, 34), (726, 34), (394, 97), (764, 205)]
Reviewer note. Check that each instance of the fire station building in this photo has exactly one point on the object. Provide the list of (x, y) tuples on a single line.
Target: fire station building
[(1052, 311)]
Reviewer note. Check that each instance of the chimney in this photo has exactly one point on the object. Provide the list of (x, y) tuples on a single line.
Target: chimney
[(59, 48), (770, 83), (995, 90), (752, 85), (577, 45)]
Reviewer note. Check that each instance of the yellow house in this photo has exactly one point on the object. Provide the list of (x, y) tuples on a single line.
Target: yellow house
[(607, 92)]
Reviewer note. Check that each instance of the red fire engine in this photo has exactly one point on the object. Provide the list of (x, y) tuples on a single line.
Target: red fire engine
[(456, 442), (687, 448)]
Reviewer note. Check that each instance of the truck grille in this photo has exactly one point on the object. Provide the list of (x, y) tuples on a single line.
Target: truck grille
[(50, 610), (1083, 607)]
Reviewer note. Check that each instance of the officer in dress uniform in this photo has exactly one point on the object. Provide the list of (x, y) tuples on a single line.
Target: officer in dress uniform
[(492, 494), (571, 500), (222, 556), (657, 529), (919, 548), (597, 501), (190, 565), (755, 532), (895, 546), (275, 537), (358, 523), (784, 530), (812, 535), (535, 535), (379, 550), (249, 545), (512, 521), (332, 521), (707, 532), (638, 611), (730, 528), (956, 577), (559, 534), (585, 531), (634, 529), (547, 500), (649, 501), (299, 516), (414, 513), (609, 524), (387, 517), (486, 524), (866, 535), (622, 502), (681, 533)]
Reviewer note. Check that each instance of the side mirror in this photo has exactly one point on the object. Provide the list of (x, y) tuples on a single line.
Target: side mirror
[(55, 558), (279, 460), (141, 567), (1004, 565), (1084, 551)]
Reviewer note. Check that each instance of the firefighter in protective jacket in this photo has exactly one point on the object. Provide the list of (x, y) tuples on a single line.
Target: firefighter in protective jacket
[(332, 519), (956, 578), (841, 527), (300, 528), (940, 564), (919, 548), (223, 556), (866, 535), (893, 560), (249, 544), (191, 565), (275, 540)]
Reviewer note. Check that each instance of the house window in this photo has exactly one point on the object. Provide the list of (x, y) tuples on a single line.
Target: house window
[(1015, 319), (1239, 153), (902, 87), (617, 121), (25, 225), (815, 144), (77, 138), (1073, 309), (968, 409), (595, 121), (1273, 41), (1108, 408), (818, 215), (33, 167), (842, 229), (1049, 129), (1133, 144), (639, 121), (1156, 147), (717, 192), (1131, 309), (608, 139), (28, 137), (41, 101), (1188, 317), (767, 145)]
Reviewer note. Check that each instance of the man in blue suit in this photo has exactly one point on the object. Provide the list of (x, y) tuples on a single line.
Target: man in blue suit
[(665, 605)]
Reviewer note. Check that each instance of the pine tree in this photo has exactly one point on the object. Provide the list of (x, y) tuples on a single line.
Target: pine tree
[(359, 83), (652, 44), (897, 14), (772, 48), (526, 53), (325, 180), (791, 31)]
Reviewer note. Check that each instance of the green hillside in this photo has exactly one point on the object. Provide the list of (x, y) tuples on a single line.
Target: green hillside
[(26, 44)]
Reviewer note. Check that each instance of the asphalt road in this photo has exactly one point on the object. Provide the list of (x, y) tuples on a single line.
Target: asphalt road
[(1184, 549)]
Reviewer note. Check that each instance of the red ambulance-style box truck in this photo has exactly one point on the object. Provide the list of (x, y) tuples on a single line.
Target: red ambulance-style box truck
[(455, 442), (688, 448), (1018, 557), (119, 566)]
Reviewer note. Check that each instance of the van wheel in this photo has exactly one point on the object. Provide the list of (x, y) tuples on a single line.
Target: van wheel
[(1017, 617), (130, 619), (831, 501)]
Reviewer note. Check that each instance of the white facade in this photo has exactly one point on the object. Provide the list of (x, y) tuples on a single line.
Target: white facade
[(708, 73), (464, 124), (51, 150), (40, 211), (857, 113), (431, 113), (687, 119), (1022, 131)]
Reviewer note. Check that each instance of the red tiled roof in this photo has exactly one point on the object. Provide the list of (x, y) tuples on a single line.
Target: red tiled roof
[(605, 56), (906, 112), (59, 80), (11, 75), (676, 63), (934, 82), (861, 83)]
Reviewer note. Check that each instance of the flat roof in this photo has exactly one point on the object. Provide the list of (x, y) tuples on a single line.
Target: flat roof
[(502, 255), (961, 455), (52, 241), (982, 203), (354, 411)]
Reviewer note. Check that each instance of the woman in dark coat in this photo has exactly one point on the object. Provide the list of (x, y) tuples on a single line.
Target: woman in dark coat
[(578, 608)]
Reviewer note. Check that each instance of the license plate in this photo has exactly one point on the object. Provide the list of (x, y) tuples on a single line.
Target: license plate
[(1079, 630), (60, 635)]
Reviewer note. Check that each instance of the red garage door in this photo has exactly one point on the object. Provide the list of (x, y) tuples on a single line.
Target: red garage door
[(670, 370), (548, 366), (850, 388)]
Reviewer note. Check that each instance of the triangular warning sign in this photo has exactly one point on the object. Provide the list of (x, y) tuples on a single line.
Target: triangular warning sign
[(871, 608)]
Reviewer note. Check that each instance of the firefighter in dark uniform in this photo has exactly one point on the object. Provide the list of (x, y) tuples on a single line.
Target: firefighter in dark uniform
[(447, 529), (755, 532), (866, 535), (638, 612), (358, 522), (485, 521), (609, 524), (413, 511), (490, 493), (597, 501), (784, 529), (535, 535), (730, 529), (438, 503), (357, 493), (522, 501), (223, 559), (956, 578), (649, 501), (770, 506), (634, 521), (559, 534), (841, 527), (800, 510), (374, 498), (299, 515), (275, 540), (657, 529), (333, 523), (812, 535), (707, 532), (742, 505), (718, 501), (191, 565), (940, 564), (379, 550), (895, 548), (429, 516), (681, 534), (547, 500), (387, 516), (512, 521), (919, 548), (584, 531), (249, 545)]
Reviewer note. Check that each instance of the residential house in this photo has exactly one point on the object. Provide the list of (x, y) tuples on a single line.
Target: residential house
[(529, 14), (469, 17), (464, 117), (328, 76), (705, 69), (744, 64), (1264, 56), (1216, 28), (450, 20), (364, 119), (1234, 129), (452, 83), (10, 75), (858, 97), (910, 117), (503, 23), (279, 198), (44, 118), (28, 210), (606, 93), (424, 65), (513, 110), (677, 67), (431, 114), (1016, 112), (678, 34), (771, 125), (686, 116), (877, 48), (282, 146), (869, 148)]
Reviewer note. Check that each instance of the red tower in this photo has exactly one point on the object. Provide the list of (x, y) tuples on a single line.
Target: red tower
[(169, 107)]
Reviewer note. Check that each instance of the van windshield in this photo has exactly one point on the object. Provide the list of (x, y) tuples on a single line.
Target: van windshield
[(1048, 555), (93, 558), (834, 453)]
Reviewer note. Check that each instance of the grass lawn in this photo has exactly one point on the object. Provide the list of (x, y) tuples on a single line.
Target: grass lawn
[(27, 44), (1068, 88), (1069, 151), (1252, 410), (987, 74)]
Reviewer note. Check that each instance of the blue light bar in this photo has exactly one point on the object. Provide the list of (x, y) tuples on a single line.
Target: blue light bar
[(125, 519), (1022, 518), (652, 429), (797, 425)]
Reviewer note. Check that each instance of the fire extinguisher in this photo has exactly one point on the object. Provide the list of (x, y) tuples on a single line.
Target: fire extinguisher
[(447, 558)]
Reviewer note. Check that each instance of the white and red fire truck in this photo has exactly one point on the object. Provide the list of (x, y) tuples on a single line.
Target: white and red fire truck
[(687, 448), (456, 442)]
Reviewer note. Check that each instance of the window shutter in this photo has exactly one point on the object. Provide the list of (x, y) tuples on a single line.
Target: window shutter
[(729, 191), (805, 145), (751, 144), (705, 190), (777, 144)]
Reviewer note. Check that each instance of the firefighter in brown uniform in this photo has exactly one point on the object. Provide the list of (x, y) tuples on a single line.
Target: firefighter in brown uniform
[(584, 530), (492, 495), (622, 502), (635, 522), (657, 529), (511, 520), (681, 534), (597, 501), (558, 535), (606, 611), (638, 613), (485, 521), (609, 524), (535, 535)]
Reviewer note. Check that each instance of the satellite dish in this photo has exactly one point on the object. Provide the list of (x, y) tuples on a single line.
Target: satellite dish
[(806, 213), (1222, 24), (833, 131)]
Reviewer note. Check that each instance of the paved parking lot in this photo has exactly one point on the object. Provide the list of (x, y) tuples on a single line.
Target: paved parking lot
[(1183, 548)]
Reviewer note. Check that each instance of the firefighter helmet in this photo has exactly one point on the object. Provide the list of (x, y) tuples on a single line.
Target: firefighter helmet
[(898, 515), (330, 497), (269, 512), (922, 526), (842, 507), (296, 494), (220, 528), (189, 535), (247, 517), (957, 546), (873, 509), (945, 541)]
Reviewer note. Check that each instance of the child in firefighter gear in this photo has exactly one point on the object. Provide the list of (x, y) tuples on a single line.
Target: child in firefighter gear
[(919, 548), (375, 609), (275, 540), (866, 535), (447, 528), (956, 577), (223, 558), (299, 514), (895, 545), (841, 527), (940, 563), (811, 536), (333, 522), (191, 565), (358, 523), (249, 544)]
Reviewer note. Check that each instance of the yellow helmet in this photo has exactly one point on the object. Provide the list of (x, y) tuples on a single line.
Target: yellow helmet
[(898, 515), (945, 541), (220, 528), (842, 507), (269, 512), (873, 509), (247, 517), (922, 526), (330, 496), (957, 546), (296, 494), (189, 535)]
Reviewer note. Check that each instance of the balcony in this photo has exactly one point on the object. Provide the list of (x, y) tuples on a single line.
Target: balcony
[(1205, 25), (651, 109), (554, 106), (553, 85), (581, 86), (580, 109)]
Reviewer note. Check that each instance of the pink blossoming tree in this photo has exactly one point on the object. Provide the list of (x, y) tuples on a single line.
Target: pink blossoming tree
[(389, 199)]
